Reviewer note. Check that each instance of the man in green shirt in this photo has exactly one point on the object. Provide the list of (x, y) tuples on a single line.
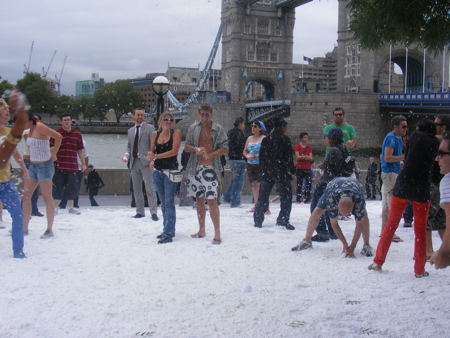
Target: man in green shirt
[(347, 129)]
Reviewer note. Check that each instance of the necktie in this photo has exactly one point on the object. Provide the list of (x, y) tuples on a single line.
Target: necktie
[(136, 141)]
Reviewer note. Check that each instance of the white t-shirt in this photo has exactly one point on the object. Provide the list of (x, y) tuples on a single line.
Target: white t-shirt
[(444, 188)]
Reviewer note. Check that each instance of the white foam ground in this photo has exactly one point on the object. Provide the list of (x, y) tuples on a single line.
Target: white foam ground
[(103, 275)]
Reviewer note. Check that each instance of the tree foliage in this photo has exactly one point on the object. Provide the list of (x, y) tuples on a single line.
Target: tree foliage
[(119, 96), (40, 97), (377, 23), (4, 85)]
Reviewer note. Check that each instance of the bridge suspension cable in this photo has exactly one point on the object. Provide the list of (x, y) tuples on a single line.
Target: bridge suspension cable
[(204, 76)]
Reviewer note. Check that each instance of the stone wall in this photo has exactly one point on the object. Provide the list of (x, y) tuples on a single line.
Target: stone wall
[(311, 112)]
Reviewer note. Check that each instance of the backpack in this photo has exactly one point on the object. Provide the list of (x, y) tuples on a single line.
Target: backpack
[(348, 168)]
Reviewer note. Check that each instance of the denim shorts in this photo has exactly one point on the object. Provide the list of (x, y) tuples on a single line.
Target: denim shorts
[(41, 171)]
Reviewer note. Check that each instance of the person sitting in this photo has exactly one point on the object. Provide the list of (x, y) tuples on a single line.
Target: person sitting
[(345, 196)]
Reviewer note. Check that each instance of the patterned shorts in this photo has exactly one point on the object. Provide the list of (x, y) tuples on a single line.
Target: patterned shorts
[(204, 184), (436, 215)]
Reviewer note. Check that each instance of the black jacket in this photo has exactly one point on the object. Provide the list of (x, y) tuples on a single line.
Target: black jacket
[(276, 158), (94, 182), (413, 182), (236, 144)]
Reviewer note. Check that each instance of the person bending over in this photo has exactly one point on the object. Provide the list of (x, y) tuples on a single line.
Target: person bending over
[(344, 196)]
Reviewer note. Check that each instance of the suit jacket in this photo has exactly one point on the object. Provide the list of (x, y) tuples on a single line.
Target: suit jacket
[(145, 132)]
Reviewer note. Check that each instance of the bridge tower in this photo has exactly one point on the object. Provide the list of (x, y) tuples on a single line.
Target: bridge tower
[(361, 70), (257, 47)]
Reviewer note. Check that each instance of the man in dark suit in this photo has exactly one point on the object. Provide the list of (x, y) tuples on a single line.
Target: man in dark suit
[(137, 148)]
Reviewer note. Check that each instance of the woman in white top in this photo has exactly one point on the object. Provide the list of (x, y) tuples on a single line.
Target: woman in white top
[(251, 152), (41, 170)]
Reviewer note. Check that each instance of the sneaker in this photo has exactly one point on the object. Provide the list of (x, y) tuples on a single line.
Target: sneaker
[(47, 234), (287, 226), (74, 211), (367, 250), (37, 213), (155, 217), (19, 255), (320, 238), (374, 267), (407, 225), (421, 275), (303, 245), (161, 235), (267, 212), (137, 216), (165, 239), (258, 226)]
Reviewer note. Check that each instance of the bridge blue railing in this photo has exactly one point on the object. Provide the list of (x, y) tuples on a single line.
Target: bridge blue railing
[(415, 100)]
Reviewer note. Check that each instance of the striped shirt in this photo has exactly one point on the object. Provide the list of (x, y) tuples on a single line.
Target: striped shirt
[(444, 188), (67, 153)]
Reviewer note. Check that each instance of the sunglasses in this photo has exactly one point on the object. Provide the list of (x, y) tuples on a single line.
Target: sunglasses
[(168, 120), (339, 114), (441, 154), (404, 127)]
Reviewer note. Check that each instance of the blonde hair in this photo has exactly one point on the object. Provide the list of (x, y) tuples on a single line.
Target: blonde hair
[(162, 117)]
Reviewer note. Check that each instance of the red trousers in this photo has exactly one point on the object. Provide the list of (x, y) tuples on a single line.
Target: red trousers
[(420, 209)]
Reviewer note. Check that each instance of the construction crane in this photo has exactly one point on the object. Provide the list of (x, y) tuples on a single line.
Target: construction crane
[(26, 67), (59, 77), (45, 71)]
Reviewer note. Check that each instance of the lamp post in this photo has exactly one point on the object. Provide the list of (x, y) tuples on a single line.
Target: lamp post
[(160, 86)]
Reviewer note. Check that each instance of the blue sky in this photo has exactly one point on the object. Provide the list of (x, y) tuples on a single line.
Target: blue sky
[(126, 39)]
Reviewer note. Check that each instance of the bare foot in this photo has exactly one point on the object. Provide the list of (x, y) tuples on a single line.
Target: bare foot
[(198, 235)]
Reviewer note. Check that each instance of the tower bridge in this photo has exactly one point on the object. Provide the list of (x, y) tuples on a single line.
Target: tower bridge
[(257, 64)]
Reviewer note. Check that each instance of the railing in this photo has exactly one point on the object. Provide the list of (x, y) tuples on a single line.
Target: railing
[(414, 100)]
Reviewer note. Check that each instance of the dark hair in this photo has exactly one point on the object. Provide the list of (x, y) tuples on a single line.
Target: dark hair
[(396, 120), (205, 106), (90, 166), (138, 108), (303, 134), (65, 115), (445, 121), (279, 123), (37, 116), (427, 126), (33, 117), (339, 109), (238, 121)]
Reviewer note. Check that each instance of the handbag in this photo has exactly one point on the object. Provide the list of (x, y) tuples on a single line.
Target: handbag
[(176, 176)]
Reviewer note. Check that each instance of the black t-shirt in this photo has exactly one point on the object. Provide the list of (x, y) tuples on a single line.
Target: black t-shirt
[(413, 182)]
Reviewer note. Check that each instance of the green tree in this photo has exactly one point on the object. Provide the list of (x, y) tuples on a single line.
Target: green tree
[(119, 96), (4, 85), (377, 23), (65, 105), (86, 106), (40, 97)]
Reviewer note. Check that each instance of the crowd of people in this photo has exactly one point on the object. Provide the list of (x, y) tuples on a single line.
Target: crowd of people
[(414, 170)]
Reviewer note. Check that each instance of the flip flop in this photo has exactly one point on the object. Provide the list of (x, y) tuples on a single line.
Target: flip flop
[(216, 241), (197, 235), (396, 239)]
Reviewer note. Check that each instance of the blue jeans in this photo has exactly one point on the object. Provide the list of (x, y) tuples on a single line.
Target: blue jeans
[(233, 194), (166, 190), (11, 202)]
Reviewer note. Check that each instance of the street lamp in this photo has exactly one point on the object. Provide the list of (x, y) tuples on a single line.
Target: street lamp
[(160, 86)]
